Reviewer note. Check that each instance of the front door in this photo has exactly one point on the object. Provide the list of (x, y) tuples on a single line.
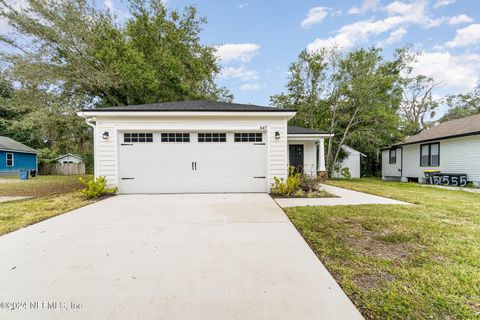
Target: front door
[(295, 152)]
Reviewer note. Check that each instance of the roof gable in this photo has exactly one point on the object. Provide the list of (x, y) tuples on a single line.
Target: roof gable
[(8, 144), (450, 129)]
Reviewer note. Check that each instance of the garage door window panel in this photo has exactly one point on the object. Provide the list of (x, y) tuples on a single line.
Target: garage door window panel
[(212, 137), (137, 137), (248, 137), (175, 137)]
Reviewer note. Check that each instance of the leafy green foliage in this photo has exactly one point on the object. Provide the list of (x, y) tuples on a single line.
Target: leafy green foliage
[(96, 188), (354, 95), (345, 172), (289, 186), (462, 105)]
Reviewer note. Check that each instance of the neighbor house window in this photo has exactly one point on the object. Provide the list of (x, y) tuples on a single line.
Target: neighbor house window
[(248, 137), (392, 156), (9, 159), (430, 155), (175, 137), (138, 137), (212, 137)]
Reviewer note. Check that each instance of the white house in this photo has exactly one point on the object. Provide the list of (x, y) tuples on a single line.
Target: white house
[(452, 148), (69, 158), (199, 146), (353, 161)]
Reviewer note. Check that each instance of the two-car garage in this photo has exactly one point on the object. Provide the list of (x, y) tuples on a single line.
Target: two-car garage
[(187, 162)]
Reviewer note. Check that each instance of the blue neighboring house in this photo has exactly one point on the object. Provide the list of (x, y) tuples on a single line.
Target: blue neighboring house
[(15, 156)]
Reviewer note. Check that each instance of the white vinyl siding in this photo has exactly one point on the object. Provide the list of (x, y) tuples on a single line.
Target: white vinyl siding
[(106, 163), (457, 155)]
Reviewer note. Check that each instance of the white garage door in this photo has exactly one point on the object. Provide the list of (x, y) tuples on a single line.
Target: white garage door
[(184, 162)]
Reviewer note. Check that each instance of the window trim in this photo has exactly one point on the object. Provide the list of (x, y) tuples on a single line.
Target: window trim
[(178, 137), (148, 136), (208, 137), (392, 160), (429, 164), (240, 137), (12, 160)]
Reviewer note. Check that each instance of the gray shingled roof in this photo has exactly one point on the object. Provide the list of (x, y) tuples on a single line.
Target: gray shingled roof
[(7, 144), (193, 105), (450, 129), (301, 130)]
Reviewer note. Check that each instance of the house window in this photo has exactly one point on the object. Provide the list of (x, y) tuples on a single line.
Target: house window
[(392, 159), (430, 155), (212, 137), (138, 137), (175, 137), (248, 137), (9, 158)]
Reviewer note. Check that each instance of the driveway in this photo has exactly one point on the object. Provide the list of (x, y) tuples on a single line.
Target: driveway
[(198, 256)]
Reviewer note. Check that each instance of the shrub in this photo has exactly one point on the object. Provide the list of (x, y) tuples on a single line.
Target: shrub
[(96, 188), (308, 182), (345, 172), (289, 186)]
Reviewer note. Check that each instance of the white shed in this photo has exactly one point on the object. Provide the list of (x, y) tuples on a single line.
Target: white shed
[(69, 158), (353, 161)]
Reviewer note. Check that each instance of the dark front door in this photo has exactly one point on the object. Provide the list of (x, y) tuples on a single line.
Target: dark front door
[(295, 152)]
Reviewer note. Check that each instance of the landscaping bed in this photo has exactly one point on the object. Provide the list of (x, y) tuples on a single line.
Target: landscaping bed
[(401, 262)]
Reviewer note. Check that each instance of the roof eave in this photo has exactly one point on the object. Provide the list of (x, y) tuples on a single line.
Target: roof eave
[(433, 139), (142, 113)]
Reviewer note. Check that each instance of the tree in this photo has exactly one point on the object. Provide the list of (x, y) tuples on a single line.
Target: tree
[(462, 105), (355, 96), (417, 103), (66, 55)]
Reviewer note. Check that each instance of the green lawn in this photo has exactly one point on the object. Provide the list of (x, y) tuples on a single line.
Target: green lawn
[(401, 262), (51, 196)]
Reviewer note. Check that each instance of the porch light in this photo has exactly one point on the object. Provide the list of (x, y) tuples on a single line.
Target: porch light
[(277, 135), (105, 135)]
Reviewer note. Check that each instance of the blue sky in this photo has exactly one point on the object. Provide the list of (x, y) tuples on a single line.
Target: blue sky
[(259, 39)]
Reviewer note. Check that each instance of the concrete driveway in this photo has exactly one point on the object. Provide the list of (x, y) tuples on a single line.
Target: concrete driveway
[(203, 256)]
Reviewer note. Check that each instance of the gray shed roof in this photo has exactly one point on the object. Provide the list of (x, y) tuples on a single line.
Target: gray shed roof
[(451, 129), (301, 130), (193, 105), (8, 144)]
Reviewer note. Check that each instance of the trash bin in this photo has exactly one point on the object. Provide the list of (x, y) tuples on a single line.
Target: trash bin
[(429, 176), (33, 173), (23, 175)]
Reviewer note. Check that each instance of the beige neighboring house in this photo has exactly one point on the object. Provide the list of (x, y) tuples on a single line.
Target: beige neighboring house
[(452, 148)]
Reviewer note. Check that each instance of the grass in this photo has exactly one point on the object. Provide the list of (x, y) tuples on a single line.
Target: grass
[(51, 196), (401, 262)]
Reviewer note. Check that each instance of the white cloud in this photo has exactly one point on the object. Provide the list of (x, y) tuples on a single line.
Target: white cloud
[(242, 5), (464, 37), (238, 73), (457, 73), (237, 51), (250, 87), (109, 5), (366, 6), (399, 15), (459, 19), (443, 3), (396, 35), (314, 16)]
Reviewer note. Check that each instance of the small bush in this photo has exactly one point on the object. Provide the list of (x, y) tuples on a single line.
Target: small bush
[(96, 188), (289, 186), (308, 182), (345, 172)]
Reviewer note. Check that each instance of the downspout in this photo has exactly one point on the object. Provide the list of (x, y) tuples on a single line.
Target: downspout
[(91, 123)]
